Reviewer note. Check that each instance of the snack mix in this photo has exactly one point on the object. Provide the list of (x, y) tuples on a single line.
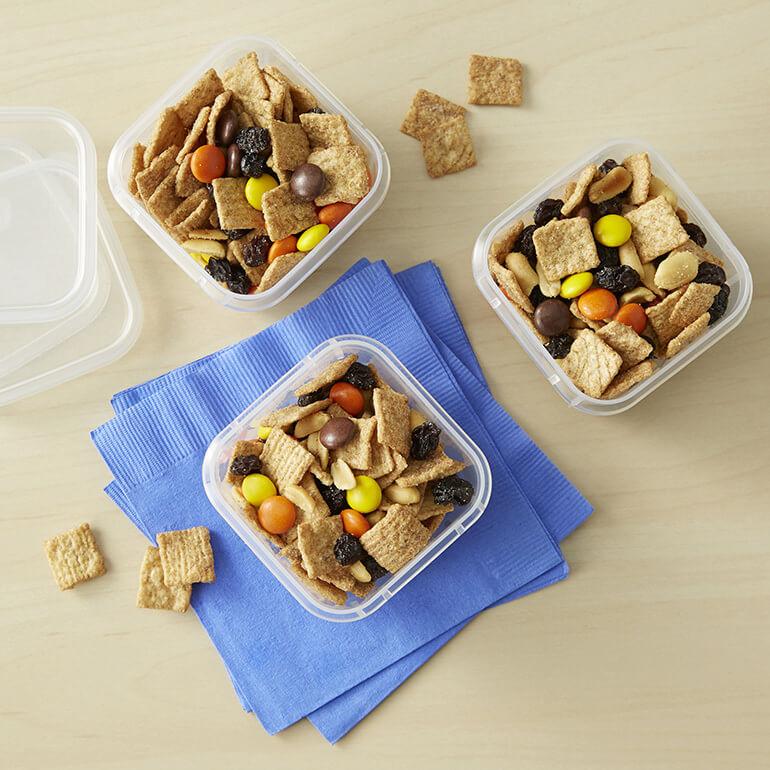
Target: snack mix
[(612, 276), (348, 483), (249, 174)]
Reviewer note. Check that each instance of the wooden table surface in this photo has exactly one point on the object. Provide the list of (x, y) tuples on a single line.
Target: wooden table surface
[(654, 653)]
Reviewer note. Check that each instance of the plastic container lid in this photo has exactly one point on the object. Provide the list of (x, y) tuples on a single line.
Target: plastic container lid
[(57, 320)]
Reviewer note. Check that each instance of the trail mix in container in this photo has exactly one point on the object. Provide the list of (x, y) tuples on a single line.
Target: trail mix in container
[(349, 483), (249, 174), (612, 277)]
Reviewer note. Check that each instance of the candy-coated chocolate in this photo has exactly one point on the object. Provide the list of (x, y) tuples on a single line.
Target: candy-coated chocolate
[(632, 315), (365, 496), (307, 182), (257, 487), (574, 285), (312, 237), (552, 317), (287, 245), (263, 431), (208, 163), (227, 128), (233, 156), (354, 522), (349, 397), (337, 432), (256, 187), (277, 514), (612, 230), (334, 213), (597, 304)]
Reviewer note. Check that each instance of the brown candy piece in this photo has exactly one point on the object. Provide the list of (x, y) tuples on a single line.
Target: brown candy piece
[(337, 432), (552, 317), (307, 181)]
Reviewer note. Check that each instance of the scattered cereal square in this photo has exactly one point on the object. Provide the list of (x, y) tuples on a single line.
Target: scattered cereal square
[(284, 460), (591, 364), (655, 229), (565, 247), (428, 112), (290, 144), (202, 94), (688, 335), (169, 131), (326, 130), (186, 556), (438, 466), (628, 378), (448, 149), (74, 557), (347, 175), (494, 80), (154, 594), (577, 191), (234, 211), (632, 348), (392, 412), (315, 540), (396, 539), (638, 166), (284, 214)]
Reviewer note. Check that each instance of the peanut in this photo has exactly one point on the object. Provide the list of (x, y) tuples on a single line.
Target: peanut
[(299, 497), (342, 475), (677, 269), (360, 573), (402, 495), (639, 294), (659, 187), (519, 265), (310, 424), (610, 185)]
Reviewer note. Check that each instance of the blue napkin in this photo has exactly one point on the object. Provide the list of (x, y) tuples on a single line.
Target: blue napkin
[(154, 447)]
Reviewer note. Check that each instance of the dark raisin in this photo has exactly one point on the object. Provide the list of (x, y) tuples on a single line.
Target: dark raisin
[(710, 273), (311, 398), (218, 269), (611, 206), (254, 139), (536, 296), (424, 440), (334, 497), (617, 279), (238, 281), (524, 245), (719, 305), (359, 375), (347, 550), (607, 166), (559, 345), (696, 234), (244, 465), (255, 251), (235, 235), (253, 164), (375, 569), (547, 210), (452, 489), (316, 111), (608, 255)]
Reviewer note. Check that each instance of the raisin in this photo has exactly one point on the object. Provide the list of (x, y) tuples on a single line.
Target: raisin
[(536, 296), (235, 235), (359, 375), (524, 244), (617, 279), (316, 111), (611, 206), (254, 139), (347, 550), (607, 166), (696, 234), (424, 440), (374, 568), (609, 256), (709, 273), (253, 164), (217, 269), (559, 345), (452, 489), (719, 305), (547, 210), (244, 465), (255, 251), (232, 275), (311, 398), (334, 497)]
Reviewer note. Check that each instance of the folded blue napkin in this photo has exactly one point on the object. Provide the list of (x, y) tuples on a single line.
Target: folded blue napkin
[(284, 662)]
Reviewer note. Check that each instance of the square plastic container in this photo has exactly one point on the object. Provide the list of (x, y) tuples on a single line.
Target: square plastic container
[(223, 56), (456, 444), (736, 270)]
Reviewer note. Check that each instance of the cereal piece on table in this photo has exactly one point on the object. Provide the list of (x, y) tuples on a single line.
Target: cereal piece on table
[(687, 335), (357, 452), (591, 364), (234, 211), (396, 539), (196, 132), (279, 268), (448, 149), (427, 112), (565, 247), (292, 553), (695, 301), (577, 193), (632, 348), (250, 514), (655, 229), (438, 466), (316, 544), (137, 165), (494, 80), (659, 317), (509, 285), (326, 130), (246, 81), (169, 131), (382, 461), (284, 460), (217, 108), (202, 94), (433, 523), (503, 244), (284, 214), (392, 412), (282, 418), (400, 463), (147, 181), (154, 594), (186, 556), (347, 175), (641, 173), (164, 200), (74, 557), (627, 379), (333, 372), (290, 144), (242, 449), (186, 183)]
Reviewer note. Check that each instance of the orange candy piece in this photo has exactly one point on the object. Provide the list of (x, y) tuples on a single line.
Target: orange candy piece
[(277, 514), (334, 213), (208, 163), (597, 304), (632, 315), (354, 523), (349, 397), (287, 245)]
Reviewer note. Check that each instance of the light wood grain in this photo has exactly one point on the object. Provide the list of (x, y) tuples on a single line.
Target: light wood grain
[(654, 654)]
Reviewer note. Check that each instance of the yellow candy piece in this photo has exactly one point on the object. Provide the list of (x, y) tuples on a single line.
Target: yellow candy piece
[(256, 187), (312, 237), (574, 285), (365, 495), (263, 432), (256, 488), (201, 258), (612, 230)]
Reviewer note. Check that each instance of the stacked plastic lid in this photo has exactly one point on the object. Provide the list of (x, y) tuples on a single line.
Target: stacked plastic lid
[(68, 304)]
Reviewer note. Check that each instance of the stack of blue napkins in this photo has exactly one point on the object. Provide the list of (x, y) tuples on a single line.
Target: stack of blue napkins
[(285, 663)]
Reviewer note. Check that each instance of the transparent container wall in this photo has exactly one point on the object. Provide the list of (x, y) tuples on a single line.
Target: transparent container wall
[(222, 57), (455, 441), (736, 269)]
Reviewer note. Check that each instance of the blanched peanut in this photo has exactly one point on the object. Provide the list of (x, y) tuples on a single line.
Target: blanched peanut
[(342, 475), (549, 288), (648, 279), (310, 424), (519, 265), (677, 269), (299, 497), (360, 573), (638, 295), (659, 187), (402, 495), (628, 256), (610, 185)]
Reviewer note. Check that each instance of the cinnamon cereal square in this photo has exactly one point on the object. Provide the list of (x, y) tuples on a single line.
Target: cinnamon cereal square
[(448, 149), (326, 130), (392, 412), (74, 557), (246, 81), (290, 144), (591, 364), (234, 211), (153, 593), (395, 539), (186, 556), (427, 112), (202, 94), (632, 348), (347, 175), (494, 80), (284, 214), (565, 247), (655, 229)]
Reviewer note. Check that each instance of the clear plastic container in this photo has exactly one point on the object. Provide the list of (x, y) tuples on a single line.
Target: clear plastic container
[(455, 441), (222, 57), (736, 269)]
